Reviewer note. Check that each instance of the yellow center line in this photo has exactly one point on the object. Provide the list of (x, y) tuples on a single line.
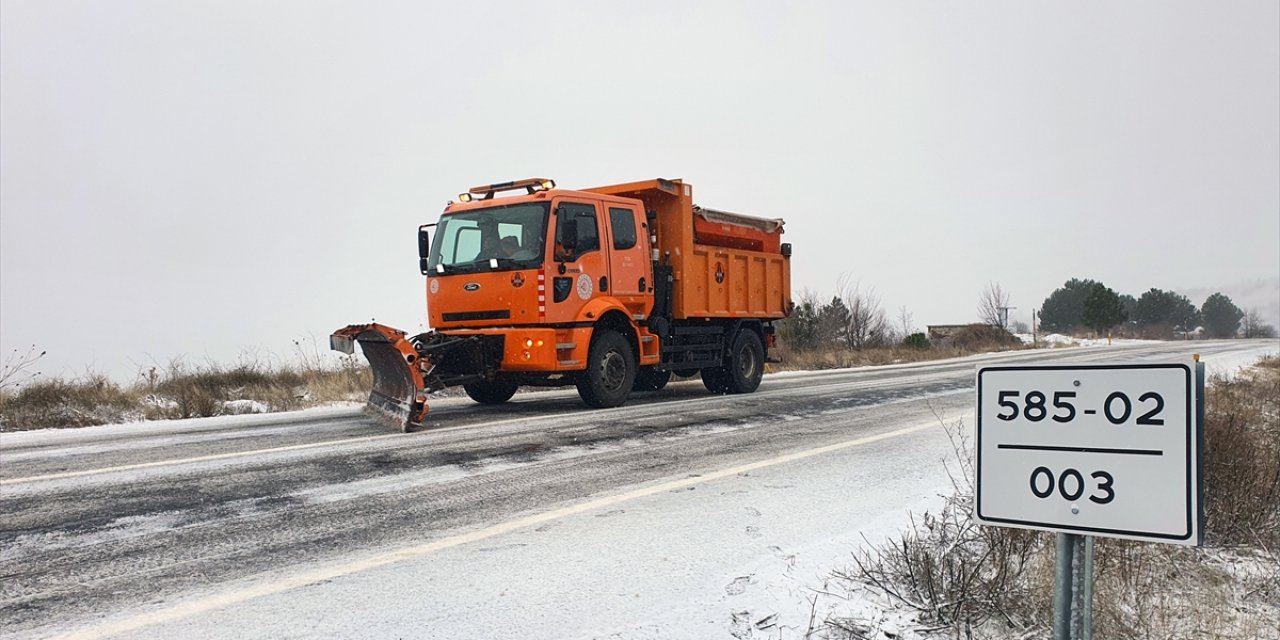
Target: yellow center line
[(227, 599)]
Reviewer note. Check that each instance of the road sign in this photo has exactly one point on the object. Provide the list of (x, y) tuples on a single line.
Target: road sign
[(1110, 450)]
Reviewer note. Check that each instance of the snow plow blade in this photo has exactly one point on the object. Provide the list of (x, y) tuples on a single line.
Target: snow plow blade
[(399, 391)]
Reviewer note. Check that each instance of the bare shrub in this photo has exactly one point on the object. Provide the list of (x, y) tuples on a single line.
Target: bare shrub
[(866, 324), (953, 572), (1253, 326), (993, 305), (19, 367)]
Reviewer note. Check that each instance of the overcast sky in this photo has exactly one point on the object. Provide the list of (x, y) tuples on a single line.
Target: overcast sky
[(206, 179)]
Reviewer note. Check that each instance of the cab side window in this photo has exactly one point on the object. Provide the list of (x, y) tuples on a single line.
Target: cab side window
[(585, 232), (623, 224)]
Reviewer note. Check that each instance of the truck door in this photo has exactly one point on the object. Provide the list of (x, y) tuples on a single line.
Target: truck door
[(629, 275), (578, 258)]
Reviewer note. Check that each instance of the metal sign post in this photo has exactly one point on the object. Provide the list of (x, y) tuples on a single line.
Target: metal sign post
[(1073, 588), (1091, 450)]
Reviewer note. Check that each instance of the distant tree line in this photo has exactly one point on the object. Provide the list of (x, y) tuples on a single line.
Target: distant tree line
[(854, 320), (1080, 305)]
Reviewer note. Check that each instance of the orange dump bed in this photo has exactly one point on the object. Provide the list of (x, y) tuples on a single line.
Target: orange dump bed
[(725, 265)]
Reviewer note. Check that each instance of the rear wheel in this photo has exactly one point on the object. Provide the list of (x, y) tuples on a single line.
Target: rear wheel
[(742, 372), (713, 378), (611, 371), (650, 379), (746, 363), (486, 392)]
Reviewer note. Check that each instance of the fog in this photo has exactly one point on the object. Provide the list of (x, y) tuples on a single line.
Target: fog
[(219, 180)]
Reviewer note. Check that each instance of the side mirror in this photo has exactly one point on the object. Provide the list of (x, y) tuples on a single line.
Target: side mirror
[(424, 249)]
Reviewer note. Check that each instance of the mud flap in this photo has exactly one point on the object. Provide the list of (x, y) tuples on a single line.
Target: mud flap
[(399, 390)]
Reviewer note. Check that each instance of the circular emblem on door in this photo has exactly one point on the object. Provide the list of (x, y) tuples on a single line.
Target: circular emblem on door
[(584, 286), (435, 285), (471, 286)]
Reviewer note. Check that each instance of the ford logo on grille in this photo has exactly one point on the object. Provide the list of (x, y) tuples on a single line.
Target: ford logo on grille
[(472, 286)]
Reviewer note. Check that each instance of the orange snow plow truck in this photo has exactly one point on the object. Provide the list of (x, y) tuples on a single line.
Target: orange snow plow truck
[(611, 289)]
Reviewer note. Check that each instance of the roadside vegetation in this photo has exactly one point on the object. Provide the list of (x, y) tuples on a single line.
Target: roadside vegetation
[(853, 329), (29, 400), (958, 579)]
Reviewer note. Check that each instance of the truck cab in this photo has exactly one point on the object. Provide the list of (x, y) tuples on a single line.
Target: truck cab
[(531, 275)]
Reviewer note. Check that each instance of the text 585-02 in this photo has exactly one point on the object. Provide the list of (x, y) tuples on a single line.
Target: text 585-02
[(1035, 406)]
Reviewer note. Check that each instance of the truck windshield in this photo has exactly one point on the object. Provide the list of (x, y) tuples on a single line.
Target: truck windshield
[(469, 241)]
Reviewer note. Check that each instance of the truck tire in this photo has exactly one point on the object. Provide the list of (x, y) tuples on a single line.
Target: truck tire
[(742, 372), (650, 379), (746, 363), (714, 379), (485, 392), (610, 373)]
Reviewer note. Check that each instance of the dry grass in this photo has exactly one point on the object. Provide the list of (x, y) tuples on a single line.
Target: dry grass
[(181, 390), (87, 400), (966, 580), (1242, 457), (791, 360)]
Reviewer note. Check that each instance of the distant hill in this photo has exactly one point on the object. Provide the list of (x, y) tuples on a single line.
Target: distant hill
[(1262, 294)]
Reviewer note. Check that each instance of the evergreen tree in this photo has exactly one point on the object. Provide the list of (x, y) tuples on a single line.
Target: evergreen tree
[(1063, 310), (800, 330), (1103, 309), (1157, 308), (833, 323), (1221, 316)]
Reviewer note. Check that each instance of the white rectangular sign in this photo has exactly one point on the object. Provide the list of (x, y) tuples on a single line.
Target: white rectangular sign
[(1109, 450)]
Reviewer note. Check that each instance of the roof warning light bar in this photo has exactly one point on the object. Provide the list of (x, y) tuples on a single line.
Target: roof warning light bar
[(530, 184)]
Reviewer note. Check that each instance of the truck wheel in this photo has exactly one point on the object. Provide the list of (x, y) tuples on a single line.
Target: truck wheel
[(485, 392), (746, 363), (650, 379), (611, 371), (715, 380)]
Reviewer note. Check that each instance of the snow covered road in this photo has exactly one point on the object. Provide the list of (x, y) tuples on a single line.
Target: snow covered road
[(679, 515)]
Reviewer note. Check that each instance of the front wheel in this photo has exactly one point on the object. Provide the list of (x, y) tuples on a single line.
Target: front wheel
[(486, 392), (611, 371)]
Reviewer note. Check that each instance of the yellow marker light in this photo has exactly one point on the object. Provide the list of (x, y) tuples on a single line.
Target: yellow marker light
[(548, 184), (464, 197), (539, 343)]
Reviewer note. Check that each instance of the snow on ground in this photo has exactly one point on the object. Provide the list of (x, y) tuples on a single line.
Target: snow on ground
[(743, 548), (732, 557), (1059, 340)]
